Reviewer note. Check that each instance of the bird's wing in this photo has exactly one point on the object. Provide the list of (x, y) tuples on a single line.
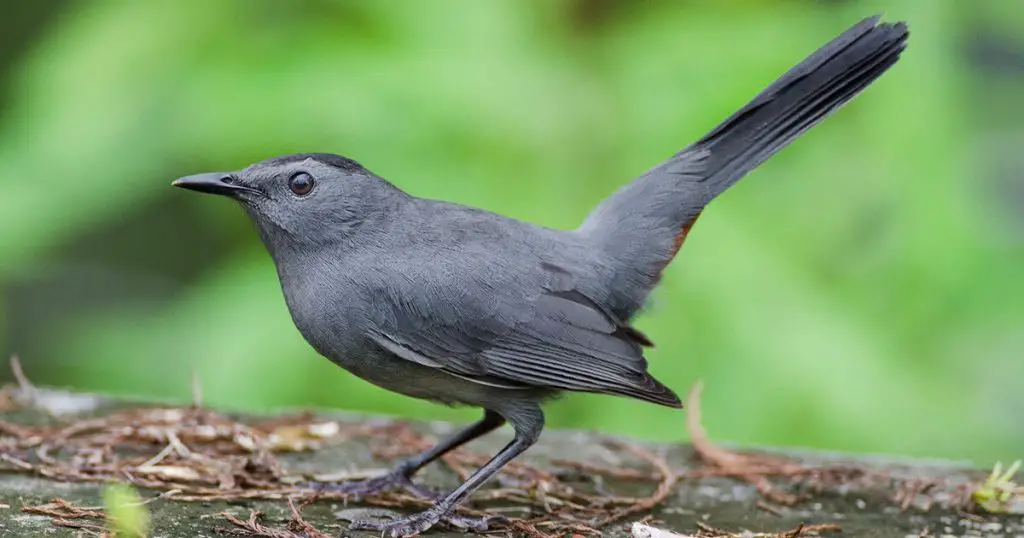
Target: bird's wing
[(543, 334)]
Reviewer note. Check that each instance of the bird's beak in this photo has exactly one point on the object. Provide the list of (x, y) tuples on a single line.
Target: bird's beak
[(215, 183)]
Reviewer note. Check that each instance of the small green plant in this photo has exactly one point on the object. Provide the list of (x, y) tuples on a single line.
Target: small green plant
[(127, 516), (996, 494)]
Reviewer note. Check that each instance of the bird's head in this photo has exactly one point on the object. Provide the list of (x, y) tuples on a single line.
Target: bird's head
[(303, 200)]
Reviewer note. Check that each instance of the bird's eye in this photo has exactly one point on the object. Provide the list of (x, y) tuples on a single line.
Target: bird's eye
[(301, 183)]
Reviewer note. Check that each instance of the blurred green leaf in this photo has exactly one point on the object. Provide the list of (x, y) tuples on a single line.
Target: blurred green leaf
[(127, 516)]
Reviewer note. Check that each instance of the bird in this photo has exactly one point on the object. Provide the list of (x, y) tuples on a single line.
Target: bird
[(463, 306)]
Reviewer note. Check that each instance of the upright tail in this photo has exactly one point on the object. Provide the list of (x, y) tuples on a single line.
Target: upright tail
[(642, 226)]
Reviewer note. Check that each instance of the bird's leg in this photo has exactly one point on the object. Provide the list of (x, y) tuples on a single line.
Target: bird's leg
[(528, 424), (401, 475)]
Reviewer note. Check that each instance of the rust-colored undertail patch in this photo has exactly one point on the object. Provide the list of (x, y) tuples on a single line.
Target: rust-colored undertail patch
[(677, 244), (681, 237)]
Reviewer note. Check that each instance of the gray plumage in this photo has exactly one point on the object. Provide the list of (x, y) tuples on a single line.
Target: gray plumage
[(459, 305)]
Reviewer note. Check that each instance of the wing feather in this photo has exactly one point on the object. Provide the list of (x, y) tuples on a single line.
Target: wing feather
[(553, 336)]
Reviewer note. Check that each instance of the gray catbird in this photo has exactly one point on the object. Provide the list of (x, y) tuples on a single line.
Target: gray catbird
[(458, 305)]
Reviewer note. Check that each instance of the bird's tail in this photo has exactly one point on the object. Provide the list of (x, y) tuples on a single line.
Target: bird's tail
[(643, 225)]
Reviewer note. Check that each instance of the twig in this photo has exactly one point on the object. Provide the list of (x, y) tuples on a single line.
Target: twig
[(803, 529), (668, 481), (702, 445), (159, 456), (529, 530), (16, 461), (252, 527), (61, 509), (301, 524), (91, 528), (734, 463), (28, 390), (175, 443), (20, 432), (197, 388), (768, 508), (707, 531), (582, 466)]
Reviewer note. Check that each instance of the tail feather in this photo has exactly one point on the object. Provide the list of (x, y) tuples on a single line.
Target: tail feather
[(643, 224), (800, 99)]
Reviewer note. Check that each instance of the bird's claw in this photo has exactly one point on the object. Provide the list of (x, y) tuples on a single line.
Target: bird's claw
[(396, 479), (415, 524)]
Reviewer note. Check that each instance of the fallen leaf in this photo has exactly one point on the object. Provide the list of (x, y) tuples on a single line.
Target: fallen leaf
[(641, 530), (301, 437), (170, 472)]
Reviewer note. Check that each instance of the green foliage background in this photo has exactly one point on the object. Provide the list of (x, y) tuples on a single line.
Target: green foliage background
[(861, 291)]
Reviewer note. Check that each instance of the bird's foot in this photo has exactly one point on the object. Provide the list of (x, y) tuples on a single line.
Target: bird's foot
[(396, 479), (414, 524)]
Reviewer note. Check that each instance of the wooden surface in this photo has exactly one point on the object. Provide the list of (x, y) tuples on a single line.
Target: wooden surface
[(764, 493)]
